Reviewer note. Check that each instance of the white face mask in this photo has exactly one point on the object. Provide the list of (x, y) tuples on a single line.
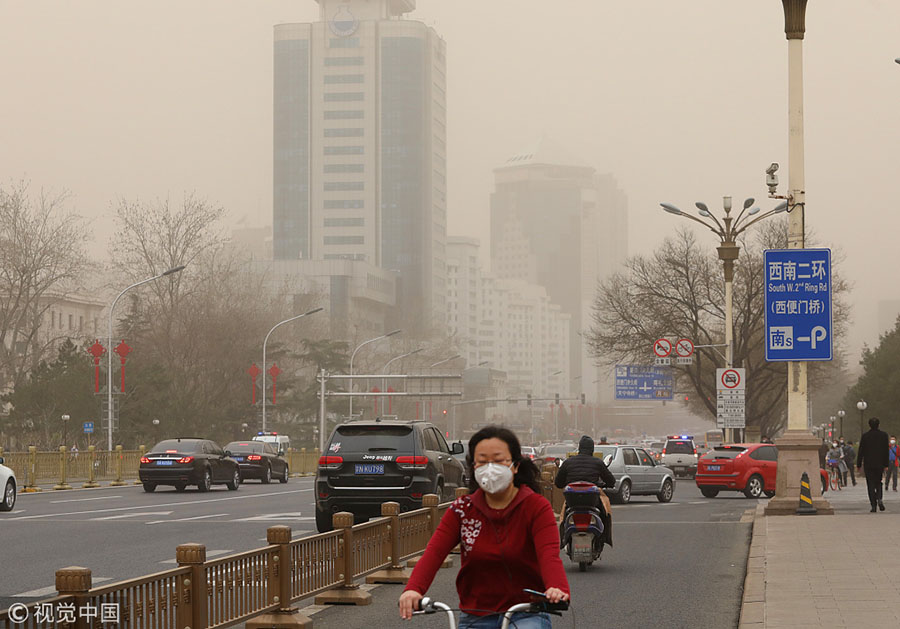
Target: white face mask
[(493, 477), (893, 441), (833, 445)]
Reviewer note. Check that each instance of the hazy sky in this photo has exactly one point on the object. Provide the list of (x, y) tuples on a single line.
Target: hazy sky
[(680, 100)]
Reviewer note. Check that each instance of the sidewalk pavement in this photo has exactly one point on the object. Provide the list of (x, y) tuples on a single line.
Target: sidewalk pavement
[(825, 571)]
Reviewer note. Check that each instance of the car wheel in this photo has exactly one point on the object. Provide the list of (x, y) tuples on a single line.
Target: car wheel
[(754, 488), (9, 497), (770, 494), (624, 495), (668, 490), (439, 491), (286, 475), (235, 481), (582, 566), (709, 493), (267, 475), (180, 487), (149, 487), (323, 521), (205, 481)]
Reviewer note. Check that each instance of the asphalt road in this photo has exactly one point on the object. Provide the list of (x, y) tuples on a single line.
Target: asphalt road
[(680, 564), (122, 532)]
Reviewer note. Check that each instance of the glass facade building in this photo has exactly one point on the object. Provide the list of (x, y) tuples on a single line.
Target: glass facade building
[(360, 146)]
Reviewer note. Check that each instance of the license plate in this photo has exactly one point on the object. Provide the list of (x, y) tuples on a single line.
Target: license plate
[(582, 542), (238, 458), (368, 468), (164, 462), (713, 468)]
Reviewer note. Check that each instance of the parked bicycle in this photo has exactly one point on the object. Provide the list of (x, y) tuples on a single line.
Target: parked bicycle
[(539, 606)]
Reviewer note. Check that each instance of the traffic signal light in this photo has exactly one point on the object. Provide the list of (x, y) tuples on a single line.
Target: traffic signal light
[(529, 399), (582, 399), (557, 399), (444, 411)]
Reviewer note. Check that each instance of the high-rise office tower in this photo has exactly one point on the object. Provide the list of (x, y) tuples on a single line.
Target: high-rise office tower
[(360, 147), (558, 223)]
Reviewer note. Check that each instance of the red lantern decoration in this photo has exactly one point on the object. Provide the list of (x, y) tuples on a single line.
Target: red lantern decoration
[(274, 371), (254, 372), (122, 349), (96, 350)]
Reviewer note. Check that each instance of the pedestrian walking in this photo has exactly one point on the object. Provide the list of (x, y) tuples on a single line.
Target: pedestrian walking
[(849, 456), (835, 459), (873, 458), (893, 464)]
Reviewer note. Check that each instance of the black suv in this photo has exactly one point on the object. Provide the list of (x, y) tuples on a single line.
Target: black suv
[(370, 462)]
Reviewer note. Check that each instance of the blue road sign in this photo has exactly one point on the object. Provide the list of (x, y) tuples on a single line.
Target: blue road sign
[(89, 427), (798, 304), (640, 382)]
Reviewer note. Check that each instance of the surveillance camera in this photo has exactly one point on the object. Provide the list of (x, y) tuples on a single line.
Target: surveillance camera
[(771, 170), (772, 178)]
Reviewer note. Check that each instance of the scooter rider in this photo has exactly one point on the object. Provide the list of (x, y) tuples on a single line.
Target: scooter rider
[(587, 468)]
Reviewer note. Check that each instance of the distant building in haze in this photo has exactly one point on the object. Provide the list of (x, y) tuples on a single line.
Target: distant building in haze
[(360, 147), (558, 223)]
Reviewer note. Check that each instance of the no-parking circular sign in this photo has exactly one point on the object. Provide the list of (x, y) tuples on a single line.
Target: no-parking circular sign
[(662, 348), (731, 379)]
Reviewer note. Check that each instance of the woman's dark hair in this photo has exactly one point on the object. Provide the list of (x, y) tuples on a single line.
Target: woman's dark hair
[(527, 473)]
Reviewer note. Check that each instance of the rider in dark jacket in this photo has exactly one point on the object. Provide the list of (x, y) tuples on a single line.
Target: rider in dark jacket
[(585, 467), (589, 468)]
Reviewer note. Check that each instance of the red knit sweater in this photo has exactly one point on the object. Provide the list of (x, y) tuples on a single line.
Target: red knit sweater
[(503, 551)]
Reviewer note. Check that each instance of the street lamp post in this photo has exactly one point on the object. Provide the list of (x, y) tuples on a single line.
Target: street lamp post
[(65, 423), (384, 371), (109, 387), (728, 230), (841, 414), (353, 355), (446, 360), (155, 423), (265, 342), (862, 406)]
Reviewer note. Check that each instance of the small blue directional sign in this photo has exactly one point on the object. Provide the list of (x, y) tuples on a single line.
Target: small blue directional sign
[(640, 382), (798, 304), (89, 427)]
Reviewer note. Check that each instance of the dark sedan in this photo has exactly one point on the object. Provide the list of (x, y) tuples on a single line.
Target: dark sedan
[(183, 462), (258, 459)]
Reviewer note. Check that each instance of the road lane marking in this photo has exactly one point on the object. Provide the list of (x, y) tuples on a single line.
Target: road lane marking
[(698, 502), (280, 517), (56, 502), (209, 554), (154, 506), (132, 515), (51, 591), (196, 517)]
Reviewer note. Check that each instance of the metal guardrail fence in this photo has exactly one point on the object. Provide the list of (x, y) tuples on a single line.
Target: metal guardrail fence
[(61, 468), (229, 590)]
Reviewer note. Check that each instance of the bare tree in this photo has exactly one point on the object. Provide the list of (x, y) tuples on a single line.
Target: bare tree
[(42, 260), (678, 291)]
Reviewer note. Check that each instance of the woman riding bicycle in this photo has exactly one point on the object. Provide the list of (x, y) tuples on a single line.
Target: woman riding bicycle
[(507, 534), (835, 461)]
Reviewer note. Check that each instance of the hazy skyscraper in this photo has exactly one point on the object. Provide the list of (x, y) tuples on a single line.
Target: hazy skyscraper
[(556, 222), (360, 146)]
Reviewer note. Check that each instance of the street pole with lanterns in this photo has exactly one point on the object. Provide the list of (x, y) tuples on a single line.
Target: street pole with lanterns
[(265, 342), (353, 355), (109, 370), (841, 414), (155, 423), (384, 371)]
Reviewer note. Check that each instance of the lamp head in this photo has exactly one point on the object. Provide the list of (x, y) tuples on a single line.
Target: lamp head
[(702, 207), (753, 211), (313, 311), (749, 202), (392, 333), (726, 203), (781, 207), (671, 209), (176, 269)]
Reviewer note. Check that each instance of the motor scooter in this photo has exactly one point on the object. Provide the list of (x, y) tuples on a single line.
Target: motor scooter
[(583, 531)]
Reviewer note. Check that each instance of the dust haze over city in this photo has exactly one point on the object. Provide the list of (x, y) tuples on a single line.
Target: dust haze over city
[(672, 101)]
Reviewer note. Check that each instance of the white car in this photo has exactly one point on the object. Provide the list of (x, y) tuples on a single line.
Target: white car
[(8, 487)]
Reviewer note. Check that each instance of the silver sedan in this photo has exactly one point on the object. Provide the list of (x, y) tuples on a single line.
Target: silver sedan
[(636, 472)]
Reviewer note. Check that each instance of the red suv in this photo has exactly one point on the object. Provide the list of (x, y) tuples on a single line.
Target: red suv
[(746, 467)]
